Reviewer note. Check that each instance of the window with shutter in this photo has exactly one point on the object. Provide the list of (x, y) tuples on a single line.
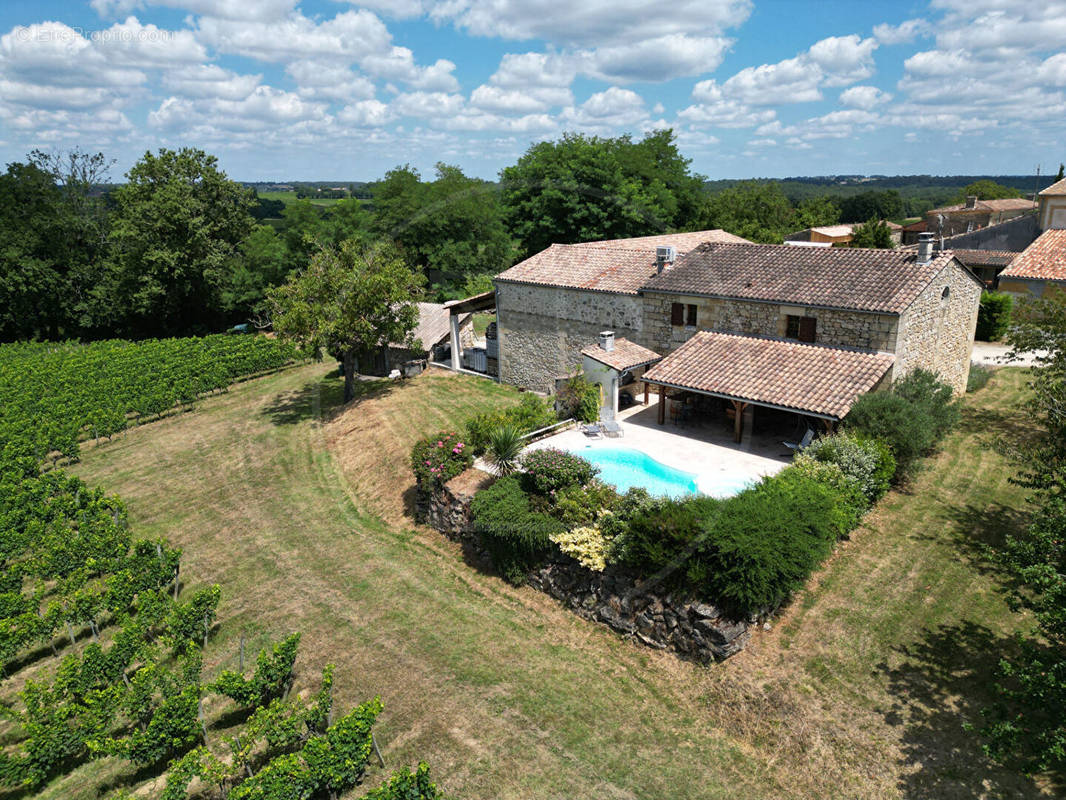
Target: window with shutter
[(677, 314), (690, 318)]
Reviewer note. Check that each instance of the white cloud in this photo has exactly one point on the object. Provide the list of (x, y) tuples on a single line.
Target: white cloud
[(427, 105), (397, 9), (366, 114), (522, 70), (844, 59), (210, 81), (607, 110), (264, 108), (903, 33), (398, 64), (657, 59), (1053, 71), (350, 36), (865, 97), (223, 9), (517, 101), (713, 109)]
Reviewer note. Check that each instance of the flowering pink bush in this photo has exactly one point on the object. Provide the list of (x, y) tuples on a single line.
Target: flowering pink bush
[(439, 458)]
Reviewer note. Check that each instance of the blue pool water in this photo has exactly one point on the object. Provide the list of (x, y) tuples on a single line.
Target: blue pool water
[(625, 468)]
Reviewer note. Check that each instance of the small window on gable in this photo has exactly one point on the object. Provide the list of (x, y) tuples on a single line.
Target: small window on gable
[(804, 329), (944, 295), (677, 314), (690, 316)]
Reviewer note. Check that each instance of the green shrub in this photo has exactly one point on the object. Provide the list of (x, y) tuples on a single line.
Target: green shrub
[(579, 398), (549, 469), (910, 418), (868, 462), (993, 318), (586, 544), (979, 376), (936, 399), (851, 503), (666, 534), (583, 504), (763, 543), (517, 539), (531, 414), (439, 458)]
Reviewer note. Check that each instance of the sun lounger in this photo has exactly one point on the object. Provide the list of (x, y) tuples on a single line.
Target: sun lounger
[(612, 429), (593, 431), (801, 445)]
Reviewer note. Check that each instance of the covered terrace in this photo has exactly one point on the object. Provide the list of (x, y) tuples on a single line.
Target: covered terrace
[(819, 382)]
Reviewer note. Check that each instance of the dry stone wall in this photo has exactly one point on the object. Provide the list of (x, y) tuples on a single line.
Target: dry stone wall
[(694, 630)]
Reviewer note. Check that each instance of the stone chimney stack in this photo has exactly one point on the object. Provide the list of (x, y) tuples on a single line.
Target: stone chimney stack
[(607, 341), (925, 247)]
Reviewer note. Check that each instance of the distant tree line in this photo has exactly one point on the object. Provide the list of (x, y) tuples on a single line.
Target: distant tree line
[(179, 248)]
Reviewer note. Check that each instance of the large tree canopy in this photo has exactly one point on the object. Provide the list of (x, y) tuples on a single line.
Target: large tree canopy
[(452, 227), (583, 188), (177, 225), (350, 302)]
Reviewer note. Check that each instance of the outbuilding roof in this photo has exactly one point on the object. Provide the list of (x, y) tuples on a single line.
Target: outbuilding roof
[(625, 355), (1044, 259), (434, 324), (985, 258), (1056, 189), (1002, 204), (809, 378), (614, 265), (860, 279)]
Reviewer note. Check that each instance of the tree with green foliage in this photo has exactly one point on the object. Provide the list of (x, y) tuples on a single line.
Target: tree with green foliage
[(451, 227), (871, 205), (53, 239), (757, 211), (1026, 726), (1062, 172), (874, 233), (586, 188), (986, 189), (993, 317), (262, 261), (813, 212), (176, 229), (350, 301)]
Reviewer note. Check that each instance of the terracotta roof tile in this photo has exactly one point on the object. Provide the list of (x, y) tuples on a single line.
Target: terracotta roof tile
[(434, 324), (1055, 189), (625, 355), (1044, 259), (1002, 204), (850, 278), (985, 258), (614, 265), (805, 377)]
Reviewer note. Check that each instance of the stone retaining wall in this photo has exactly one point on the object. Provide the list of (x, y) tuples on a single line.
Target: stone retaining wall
[(695, 630)]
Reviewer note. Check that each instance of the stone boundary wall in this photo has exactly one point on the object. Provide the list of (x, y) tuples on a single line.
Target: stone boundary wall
[(694, 630)]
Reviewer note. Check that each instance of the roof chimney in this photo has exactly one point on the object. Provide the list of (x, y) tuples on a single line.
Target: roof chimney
[(607, 340), (665, 256), (971, 201), (925, 247)]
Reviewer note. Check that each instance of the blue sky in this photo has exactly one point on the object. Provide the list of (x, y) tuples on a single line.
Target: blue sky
[(342, 89)]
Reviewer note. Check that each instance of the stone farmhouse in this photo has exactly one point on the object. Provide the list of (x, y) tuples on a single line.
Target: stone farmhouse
[(974, 214), (795, 328)]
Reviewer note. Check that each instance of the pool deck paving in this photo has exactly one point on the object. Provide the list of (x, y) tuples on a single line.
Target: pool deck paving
[(706, 450)]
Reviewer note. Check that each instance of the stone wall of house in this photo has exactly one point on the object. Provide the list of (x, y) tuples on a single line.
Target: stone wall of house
[(542, 329), (936, 330), (846, 328), (695, 630)]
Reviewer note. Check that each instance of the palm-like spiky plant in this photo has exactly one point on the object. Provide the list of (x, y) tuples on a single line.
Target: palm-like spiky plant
[(505, 445)]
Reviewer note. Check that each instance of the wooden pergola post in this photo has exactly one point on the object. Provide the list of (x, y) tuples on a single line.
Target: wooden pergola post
[(646, 390), (738, 420), (662, 404), (830, 425)]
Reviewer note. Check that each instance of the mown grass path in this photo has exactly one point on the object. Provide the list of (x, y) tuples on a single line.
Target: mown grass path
[(859, 691)]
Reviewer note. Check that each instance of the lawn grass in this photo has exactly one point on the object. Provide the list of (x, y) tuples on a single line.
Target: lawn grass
[(288, 198), (859, 690)]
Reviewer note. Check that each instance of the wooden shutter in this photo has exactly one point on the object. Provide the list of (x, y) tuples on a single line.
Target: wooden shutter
[(808, 329), (677, 314)]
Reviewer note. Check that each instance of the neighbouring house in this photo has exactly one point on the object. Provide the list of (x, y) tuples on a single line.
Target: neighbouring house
[(820, 323), (838, 235), (1042, 262), (431, 338), (974, 214), (986, 264), (909, 233)]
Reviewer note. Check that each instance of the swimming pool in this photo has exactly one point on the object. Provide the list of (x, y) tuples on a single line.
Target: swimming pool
[(626, 468)]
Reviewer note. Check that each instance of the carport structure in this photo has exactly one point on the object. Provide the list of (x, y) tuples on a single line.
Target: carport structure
[(818, 381)]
